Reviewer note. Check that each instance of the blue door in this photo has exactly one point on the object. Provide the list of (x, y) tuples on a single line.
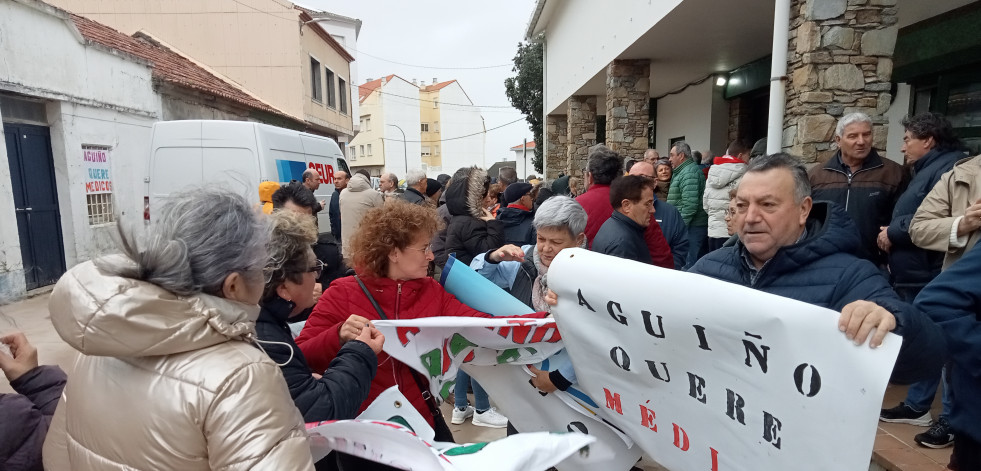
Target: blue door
[(36, 203)]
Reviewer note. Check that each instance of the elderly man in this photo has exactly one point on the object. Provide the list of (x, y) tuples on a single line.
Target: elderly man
[(622, 235), (792, 247), (666, 225), (311, 180), (415, 187), (388, 184), (602, 167), (651, 156), (685, 193), (860, 181), (334, 210)]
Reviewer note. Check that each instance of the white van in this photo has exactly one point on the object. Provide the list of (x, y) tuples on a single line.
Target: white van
[(238, 155)]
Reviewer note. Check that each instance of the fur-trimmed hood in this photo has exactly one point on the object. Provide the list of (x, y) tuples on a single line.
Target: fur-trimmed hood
[(466, 195)]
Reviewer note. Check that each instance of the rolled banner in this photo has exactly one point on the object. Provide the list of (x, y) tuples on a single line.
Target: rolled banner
[(478, 292)]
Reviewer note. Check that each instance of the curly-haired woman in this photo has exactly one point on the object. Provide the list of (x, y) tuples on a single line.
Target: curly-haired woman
[(391, 255)]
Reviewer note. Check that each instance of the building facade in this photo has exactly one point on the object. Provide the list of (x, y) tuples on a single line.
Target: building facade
[(699, 70), (453, 131), (78, 100), (390, 121), (294, 64)]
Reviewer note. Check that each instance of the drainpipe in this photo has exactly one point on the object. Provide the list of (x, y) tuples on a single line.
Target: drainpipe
[(778, 75)]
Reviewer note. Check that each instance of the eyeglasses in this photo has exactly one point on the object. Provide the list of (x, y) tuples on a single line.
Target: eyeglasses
[(428, 248), (317, 268)]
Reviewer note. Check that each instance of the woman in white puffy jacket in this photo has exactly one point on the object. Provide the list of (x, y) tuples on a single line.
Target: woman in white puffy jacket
[(723, 176)]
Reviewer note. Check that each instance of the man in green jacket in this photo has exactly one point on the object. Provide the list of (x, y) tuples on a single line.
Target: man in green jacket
[(685, 193)]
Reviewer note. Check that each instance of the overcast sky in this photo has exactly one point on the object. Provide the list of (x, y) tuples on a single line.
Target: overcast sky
[(445, 33)]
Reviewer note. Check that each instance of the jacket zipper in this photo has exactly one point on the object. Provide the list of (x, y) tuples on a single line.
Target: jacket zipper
[(398, 300), (848, 191)]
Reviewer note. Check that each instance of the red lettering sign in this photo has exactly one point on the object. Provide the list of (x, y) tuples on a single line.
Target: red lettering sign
[(326, 172)]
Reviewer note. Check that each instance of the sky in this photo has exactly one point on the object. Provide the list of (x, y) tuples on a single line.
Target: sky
[(424, 34)]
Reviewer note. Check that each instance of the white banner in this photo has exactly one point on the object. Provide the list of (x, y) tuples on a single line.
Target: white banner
[(436, 346), (494, 351), (708, 375)]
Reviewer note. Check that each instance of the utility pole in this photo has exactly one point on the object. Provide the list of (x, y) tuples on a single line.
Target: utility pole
[(405, 152)]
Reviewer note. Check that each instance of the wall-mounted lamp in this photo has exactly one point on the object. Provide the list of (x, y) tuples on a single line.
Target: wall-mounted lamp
[(720, 82)]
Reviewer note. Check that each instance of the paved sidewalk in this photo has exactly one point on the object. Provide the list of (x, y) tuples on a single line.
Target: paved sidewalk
[(894, 448)]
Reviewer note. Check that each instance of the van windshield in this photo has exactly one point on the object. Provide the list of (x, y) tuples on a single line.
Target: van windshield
[(342, 164)]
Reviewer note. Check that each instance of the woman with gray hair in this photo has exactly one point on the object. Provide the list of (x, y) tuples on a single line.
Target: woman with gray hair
[(560, 224), (168, 377)]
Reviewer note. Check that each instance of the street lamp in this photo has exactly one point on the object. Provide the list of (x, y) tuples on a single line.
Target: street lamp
[(405, 152)]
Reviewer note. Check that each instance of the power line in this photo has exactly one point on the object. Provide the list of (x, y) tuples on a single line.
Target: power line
[(429, 101), (458, 137), (433, 66)]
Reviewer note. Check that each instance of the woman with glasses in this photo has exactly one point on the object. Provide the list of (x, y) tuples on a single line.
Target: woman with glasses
[(391, 253), (167, 376), (333, 393)]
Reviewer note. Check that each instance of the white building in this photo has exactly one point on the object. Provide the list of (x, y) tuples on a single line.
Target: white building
[(389, 137), (523, 161)]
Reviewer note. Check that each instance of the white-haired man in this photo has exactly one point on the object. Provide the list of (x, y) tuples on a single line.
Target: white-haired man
[(415, 187), (860, 181)]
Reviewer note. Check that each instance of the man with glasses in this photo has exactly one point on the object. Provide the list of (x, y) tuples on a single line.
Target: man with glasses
[(666, 225)]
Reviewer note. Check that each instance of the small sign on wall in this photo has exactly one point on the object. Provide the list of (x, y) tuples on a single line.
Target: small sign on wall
[(96, 164)]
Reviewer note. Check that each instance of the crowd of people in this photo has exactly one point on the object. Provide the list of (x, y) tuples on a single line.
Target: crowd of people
[(186, 341)]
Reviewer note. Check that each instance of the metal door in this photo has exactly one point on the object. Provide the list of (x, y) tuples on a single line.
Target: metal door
[(36, 203)]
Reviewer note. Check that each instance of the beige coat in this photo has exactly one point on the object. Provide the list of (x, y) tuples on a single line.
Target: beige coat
[(166, 382), (933, 221), (356, 200)]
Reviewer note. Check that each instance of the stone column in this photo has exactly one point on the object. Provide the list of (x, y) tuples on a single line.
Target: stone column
[(557, 143), (581, 117), (840, 62), (628, 87)]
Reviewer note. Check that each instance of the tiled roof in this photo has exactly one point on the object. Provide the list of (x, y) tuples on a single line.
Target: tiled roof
[(367, 88), (531, 145), (170, 66), (306, 17), (438, 86)]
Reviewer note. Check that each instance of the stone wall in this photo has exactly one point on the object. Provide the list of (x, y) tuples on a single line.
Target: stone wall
[(840, 61), (628, 85), (556, 143), (581, 132)]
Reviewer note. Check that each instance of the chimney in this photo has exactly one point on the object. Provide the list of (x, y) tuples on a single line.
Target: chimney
[(415, 82), (434, 80), (367, 81)]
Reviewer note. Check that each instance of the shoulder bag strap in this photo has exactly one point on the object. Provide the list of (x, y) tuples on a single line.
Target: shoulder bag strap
[(421, 382)]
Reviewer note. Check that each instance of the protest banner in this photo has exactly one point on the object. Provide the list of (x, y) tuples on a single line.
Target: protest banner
[(740, 379), (392, 444), (474, 290)]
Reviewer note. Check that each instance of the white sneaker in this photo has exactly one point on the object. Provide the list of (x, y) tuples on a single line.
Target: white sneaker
[(490, 418), (460, 416)]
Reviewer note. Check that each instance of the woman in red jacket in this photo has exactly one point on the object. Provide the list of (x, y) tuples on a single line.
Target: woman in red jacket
[(391, 255)]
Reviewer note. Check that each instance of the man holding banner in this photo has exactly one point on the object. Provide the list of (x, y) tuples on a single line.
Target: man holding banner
[(802, 250)]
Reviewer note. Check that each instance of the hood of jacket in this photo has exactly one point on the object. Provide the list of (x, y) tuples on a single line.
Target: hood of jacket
[(266, 190), (359, 182), (830, 230), (722, 174), (104, 315), (465, 197)]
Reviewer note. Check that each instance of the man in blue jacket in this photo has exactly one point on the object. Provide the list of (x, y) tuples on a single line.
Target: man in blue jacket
[(953, 300), (792, 247), (632, 198)]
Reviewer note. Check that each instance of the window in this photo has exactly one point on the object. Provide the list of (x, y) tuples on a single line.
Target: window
[(435, 126), (342, 94), (425, 151), (98, 185), (354, 153), (365, 124), (436, 103), (369, 150), (425, 127), (331, 90), (436, 150), (316, 88)]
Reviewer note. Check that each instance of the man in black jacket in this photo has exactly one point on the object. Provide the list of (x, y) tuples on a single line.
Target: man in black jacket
[(334, 209), (517, 215), (415, 187), (632, 198)]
